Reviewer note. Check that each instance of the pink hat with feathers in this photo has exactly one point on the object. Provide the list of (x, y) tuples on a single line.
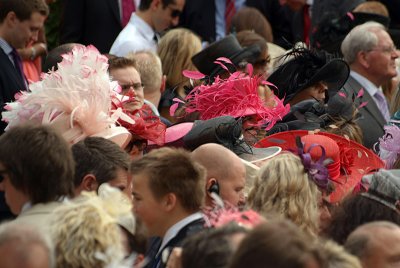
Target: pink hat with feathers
[(75, 99), (236, 96)]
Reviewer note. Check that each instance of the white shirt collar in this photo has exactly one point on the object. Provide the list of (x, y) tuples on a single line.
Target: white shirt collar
[(365, 83), (142, 26), (174, 229)]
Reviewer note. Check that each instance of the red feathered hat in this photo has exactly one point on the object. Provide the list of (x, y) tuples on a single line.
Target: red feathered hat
[(350, 160)]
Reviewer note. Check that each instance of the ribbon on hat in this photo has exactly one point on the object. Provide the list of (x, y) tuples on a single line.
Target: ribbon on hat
[(317, 170)]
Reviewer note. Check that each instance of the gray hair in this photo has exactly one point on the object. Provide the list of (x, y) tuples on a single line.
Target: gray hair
[(25, 236), (360, 38), (148, 64)]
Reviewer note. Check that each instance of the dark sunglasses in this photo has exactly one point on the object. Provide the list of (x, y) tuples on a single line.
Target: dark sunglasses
[(2, 172), (140, 144), (175, 12)]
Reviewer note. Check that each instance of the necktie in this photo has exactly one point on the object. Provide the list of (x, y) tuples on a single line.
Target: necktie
[(229, 12), (128, 8), (382, 104), (18, 63)]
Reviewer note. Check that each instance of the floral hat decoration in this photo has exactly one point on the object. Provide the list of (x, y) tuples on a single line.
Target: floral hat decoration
[(349, 160), (75, 99), (235, 96), (389, 146)]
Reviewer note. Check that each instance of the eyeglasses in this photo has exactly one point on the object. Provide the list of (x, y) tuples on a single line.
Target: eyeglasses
[(135, 86), (2, 172), (388, 49), (174, 12)]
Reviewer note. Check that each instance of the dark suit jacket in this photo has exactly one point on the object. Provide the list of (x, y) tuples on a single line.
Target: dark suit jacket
[(199, 16), (186, 231), (91, 22), (372, 120), (10, 83)]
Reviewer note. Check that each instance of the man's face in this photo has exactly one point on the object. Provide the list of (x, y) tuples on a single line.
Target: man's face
[(131, 85), (167, 17), (146, 206), (231, 189), (123, 181), (24, 32), (15, 199), (381, 59), (383, 249)]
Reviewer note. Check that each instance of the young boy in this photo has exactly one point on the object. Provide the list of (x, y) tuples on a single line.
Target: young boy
[(168, 191)]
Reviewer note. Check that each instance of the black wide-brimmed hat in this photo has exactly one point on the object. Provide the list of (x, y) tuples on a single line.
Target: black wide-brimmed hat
[(306, 68), (227, 47)]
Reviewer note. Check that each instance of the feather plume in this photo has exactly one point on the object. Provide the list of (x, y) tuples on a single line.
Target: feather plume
[(389, 145), (76, 98)]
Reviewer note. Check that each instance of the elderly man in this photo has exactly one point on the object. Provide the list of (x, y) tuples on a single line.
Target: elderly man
[(371, 54), (226, 174), (376, 244)]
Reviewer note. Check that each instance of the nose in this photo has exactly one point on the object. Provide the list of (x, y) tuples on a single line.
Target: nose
[(175, 21)]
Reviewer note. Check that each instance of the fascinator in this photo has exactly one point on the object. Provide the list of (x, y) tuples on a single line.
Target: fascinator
[(305, 68), (236, 96), (389, 146), (349, 160), (75, 99), (384, 187)]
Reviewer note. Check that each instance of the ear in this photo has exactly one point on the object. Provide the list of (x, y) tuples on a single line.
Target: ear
[(169, 201), (163, 83), (89, 183), (11, 18), (363, 59), (209, 183), (155, 4)]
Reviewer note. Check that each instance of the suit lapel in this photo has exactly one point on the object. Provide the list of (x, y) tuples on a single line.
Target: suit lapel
[(371, 106), (115, 9)]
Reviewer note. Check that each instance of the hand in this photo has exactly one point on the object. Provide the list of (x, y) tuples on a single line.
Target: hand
[(175, 259)]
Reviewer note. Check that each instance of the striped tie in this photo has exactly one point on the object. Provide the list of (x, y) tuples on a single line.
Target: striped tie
[(229, 12)]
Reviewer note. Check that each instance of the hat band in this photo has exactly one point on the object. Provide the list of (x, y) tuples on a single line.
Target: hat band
[(334, 170)]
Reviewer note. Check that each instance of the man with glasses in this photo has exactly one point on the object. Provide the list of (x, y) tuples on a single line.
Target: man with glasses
[(141, 33), (371, 54)]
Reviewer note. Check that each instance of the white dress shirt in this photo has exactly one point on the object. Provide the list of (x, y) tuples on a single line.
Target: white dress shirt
[(137, 35)]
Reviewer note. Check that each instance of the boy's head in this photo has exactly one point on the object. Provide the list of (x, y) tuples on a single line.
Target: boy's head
[(99, 160), (36, 165), (166, 182)]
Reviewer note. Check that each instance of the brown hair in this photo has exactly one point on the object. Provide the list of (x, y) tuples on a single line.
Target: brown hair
[(250, 18), (346, 128), (120, 63), (39, 162), (173, 171), (277, 243), (23, 8)]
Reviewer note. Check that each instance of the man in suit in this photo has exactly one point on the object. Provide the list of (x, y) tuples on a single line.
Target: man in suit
[(93, 22), (168, 191), (371, 54)]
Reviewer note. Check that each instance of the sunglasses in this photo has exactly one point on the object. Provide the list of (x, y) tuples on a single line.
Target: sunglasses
[(140, 144), (2, 172), (175, 12)]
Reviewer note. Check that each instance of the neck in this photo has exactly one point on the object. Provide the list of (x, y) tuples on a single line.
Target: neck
[(362, 71), (146, 16), (153, 98)]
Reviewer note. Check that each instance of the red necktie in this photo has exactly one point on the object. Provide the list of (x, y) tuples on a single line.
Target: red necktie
[(307, 24), (229, 12), (128, 7)]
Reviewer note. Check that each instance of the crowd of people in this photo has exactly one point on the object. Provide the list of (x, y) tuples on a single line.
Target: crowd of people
[(188, 133)]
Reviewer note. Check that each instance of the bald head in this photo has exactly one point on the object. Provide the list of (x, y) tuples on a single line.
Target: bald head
[(376, 244), (225, 168)]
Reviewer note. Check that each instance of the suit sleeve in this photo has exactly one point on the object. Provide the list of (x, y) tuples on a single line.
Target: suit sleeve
[(72, 23)]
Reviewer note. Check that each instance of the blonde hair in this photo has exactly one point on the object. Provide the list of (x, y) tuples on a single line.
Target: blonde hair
[(373, 7), (176, 49), (333, 255), (86, 232), (283, 186)]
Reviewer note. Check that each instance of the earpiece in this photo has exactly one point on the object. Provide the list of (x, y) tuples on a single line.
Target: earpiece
[(214, 188)]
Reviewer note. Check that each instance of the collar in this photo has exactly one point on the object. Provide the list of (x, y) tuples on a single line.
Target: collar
[(174, 229), (26, 206), (365, 83), (143, 27), (5, 46)]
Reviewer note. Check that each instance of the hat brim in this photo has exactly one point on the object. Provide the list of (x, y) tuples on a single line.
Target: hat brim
[(175, 132), (250, 54), (118, 135), (334, 73), (260, 154), (364, 163)]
